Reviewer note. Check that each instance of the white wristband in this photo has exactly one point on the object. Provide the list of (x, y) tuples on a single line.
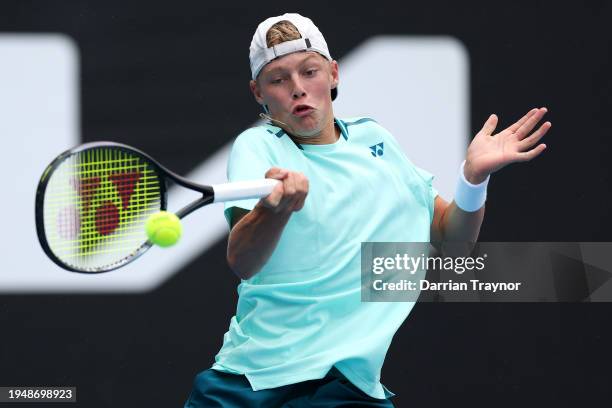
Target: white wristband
[(470, 197)]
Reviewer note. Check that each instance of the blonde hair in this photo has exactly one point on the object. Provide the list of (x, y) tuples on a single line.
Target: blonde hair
[(282, 31)]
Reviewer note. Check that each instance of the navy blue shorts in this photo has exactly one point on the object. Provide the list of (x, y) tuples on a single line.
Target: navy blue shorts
[(212, 388)]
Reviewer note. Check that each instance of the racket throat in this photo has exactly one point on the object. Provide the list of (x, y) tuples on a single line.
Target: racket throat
[(188, 209)]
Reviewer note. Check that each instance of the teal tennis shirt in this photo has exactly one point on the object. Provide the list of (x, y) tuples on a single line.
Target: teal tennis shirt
[(302, 313)]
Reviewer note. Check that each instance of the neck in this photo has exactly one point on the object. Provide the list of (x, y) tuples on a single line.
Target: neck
[(328, 135)]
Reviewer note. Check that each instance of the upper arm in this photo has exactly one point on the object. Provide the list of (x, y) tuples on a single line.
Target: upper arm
[(249, 159), (440, 206)]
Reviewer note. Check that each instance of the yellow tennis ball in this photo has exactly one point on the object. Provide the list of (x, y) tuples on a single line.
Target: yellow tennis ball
[(164, 228)]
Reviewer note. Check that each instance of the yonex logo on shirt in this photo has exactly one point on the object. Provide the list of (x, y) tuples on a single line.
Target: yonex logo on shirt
[(377, 149)]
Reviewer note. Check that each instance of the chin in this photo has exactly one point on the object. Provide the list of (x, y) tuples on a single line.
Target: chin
[(307, 131)]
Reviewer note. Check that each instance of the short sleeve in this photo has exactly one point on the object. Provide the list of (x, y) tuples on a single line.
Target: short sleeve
[(428, 179), (249, 159)]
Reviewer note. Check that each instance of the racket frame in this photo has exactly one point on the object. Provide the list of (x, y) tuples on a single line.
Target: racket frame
[(164, 175)]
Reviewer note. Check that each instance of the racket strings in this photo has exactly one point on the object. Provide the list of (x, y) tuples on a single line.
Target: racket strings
[(96, 204)]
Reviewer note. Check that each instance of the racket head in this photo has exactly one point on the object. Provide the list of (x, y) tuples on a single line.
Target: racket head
[(92, 203)]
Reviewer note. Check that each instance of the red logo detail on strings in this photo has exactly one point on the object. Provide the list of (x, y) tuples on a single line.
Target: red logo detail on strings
[(125, 184), (107, 214), (86, 187), (107, 218)]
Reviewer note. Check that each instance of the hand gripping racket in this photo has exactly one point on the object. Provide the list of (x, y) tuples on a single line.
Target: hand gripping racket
[(92, 203)]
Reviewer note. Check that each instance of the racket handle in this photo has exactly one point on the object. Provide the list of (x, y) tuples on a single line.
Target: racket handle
[(243, 190)]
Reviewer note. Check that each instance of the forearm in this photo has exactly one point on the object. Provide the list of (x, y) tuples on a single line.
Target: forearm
[(458, 225), (253, 239)]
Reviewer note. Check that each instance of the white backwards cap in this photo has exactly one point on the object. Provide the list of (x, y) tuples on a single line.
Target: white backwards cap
[(312, 40)]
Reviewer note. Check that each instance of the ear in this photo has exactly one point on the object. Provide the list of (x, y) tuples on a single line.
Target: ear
[(256, 91), (334, 73)]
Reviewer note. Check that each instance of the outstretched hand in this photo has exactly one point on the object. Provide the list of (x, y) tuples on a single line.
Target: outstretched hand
[(488, 153)]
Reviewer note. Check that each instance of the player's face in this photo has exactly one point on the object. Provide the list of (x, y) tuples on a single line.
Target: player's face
[(296, 89)]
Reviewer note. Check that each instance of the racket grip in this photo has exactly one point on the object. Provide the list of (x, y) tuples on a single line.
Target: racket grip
[(243, 190)]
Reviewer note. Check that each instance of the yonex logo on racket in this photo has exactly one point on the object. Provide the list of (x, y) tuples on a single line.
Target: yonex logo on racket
[(92, 203), (377, 149), (106, 213)]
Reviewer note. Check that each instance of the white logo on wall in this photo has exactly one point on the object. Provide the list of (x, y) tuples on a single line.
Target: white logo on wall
[(417, 87)]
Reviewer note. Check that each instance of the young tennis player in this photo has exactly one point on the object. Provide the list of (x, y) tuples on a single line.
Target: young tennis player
[(301, 336)]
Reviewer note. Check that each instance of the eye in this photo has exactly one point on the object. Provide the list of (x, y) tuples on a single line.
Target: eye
[(276, 80), (311, 72)]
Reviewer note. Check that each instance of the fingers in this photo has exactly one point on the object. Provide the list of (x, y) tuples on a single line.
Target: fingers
[(290, 194), (276, 173), (532, 139), (302, 189), (526, 156), (296, 195), (522, 120), (526, 127), (490, 125), (275, 197)]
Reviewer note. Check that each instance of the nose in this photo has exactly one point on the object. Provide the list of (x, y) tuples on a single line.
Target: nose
[(298, 95), (298, 89)]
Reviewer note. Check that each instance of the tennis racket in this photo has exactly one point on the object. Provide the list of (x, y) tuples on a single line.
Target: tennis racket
[(93, 201)]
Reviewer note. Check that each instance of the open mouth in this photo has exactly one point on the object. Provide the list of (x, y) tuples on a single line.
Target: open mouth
[(302, 110)]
